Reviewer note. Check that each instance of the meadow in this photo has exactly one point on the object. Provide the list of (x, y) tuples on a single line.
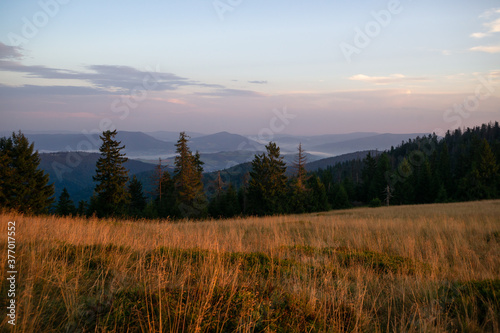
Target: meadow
[(422, 268)]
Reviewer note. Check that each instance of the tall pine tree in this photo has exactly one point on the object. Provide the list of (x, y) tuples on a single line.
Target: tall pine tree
[(111, 197), (188, 170), (267, 186), (299, 190), (23, 186), (487, 168)]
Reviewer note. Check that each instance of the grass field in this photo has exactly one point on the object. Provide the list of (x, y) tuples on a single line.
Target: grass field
[(430, 268)]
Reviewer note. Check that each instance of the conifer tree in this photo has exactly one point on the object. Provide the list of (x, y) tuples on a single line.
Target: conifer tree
[(299, 190), (191, 198), (81, 210), (110, 195), (487, 169), (267, 186), (225, 204), (231, 203), (65, 205), (383, 167), (341, 197), (300, 168), (425, 191), (23, 186), (368, 175), (444, 171), (137, 198), (317, 198), (404, 191), (165, 201)]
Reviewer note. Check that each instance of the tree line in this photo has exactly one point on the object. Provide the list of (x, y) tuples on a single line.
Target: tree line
[(461, 166), (464, 165)]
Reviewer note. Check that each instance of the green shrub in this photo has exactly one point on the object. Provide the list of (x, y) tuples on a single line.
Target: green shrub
[(375, 203)]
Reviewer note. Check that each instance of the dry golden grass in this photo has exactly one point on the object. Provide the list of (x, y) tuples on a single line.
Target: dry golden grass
[(429, 268)]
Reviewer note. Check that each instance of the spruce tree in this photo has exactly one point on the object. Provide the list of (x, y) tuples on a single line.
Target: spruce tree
[(110, 195), (231, 204), (267, 186), (188, 170), (368, 175), (300, 168), (404, 192), (341, 197), (165, 201), (299, 191), (444, 169), (383, 167), (65, 205), (81, 210), (137, 198), (487, 168), (23, 186), (317, 198), (425, 191)]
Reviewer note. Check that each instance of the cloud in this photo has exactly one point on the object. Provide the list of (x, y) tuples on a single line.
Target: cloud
[(490, 12), (495, 73), (479, 35), (492, 26), (111, 78), (231, 93), (487, 49), (176, 101), (381, 80), (258, 82), (10, 52), (25, 90), (107, 76)]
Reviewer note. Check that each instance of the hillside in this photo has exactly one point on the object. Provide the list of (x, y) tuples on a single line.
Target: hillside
[(331, 161), (290, 142), (376, 142), (224, 141), (75, 171)]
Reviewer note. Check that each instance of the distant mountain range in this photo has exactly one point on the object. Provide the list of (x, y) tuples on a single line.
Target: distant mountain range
[(288, 142), (170, 136), (233, 148), (220, 151), (139, 144), (224, 141), (135, 143)]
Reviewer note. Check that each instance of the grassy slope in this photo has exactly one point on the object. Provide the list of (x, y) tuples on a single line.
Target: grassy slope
[(408, 268)]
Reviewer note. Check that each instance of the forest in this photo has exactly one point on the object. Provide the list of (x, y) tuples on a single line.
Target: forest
[(461, 166)]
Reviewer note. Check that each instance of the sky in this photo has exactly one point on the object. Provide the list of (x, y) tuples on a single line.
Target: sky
[(249, 67)]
